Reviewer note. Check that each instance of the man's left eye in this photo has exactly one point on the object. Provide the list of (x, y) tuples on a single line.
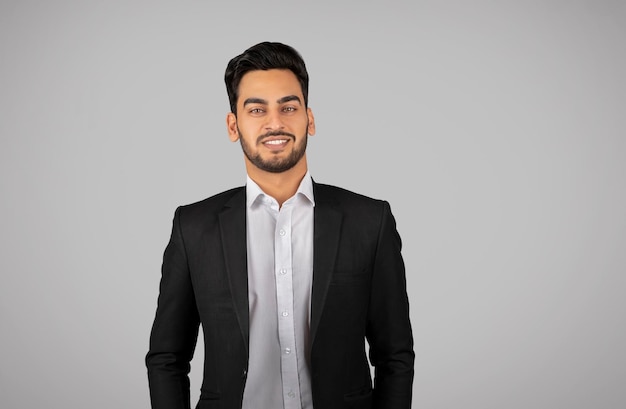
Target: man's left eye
[(289, 109)]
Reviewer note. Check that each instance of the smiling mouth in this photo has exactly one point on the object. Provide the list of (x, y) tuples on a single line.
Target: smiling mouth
[(276, 145), (275, 138), (276, 142)]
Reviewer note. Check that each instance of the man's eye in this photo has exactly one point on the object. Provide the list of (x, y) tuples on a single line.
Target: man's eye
[(256, 111), (289, 109)]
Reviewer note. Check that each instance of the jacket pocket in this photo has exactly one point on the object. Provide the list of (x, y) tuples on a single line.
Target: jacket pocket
[(209, 395), (208, 400), (350, 277), (359, 399)]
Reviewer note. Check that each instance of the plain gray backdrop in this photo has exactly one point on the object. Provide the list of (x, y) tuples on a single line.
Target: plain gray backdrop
[(494, 128)]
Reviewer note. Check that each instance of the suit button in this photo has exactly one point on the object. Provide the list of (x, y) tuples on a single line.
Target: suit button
[(244, 373)]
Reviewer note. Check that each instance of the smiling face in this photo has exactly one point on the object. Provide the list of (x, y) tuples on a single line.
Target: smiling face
[(272, 123)]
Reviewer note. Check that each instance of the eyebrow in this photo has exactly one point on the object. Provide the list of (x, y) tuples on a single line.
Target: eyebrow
[(289, 98), (254, 101), (282, 100)]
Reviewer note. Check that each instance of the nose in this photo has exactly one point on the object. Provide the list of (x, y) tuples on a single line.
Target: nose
[(274, 121)]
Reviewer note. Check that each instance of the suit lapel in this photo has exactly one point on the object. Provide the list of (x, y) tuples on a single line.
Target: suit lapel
[(326, 230), (233, 232)]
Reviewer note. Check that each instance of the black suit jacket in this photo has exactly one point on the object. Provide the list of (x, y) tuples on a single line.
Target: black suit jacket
[(359, 291)]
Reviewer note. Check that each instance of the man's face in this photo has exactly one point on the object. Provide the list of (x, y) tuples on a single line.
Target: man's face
[(272, 122)]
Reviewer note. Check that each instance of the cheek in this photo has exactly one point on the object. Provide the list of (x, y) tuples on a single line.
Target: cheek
[(299, 124), (248, 129)]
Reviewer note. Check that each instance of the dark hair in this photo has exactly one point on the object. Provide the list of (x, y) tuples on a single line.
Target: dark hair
[(265, 56)]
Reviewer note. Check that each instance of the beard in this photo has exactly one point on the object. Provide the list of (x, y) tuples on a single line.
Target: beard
[(274, 164)]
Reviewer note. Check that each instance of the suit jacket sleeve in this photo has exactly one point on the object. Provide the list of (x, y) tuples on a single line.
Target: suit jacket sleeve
[(175, 329), (389, 330)]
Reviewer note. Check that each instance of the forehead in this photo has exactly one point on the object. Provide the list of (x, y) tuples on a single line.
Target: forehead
[(269, 84)]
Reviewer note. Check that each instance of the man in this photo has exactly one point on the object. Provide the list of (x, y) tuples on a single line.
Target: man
[(287, 277)]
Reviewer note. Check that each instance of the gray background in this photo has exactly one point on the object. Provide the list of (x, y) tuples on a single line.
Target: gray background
[(495, 129)]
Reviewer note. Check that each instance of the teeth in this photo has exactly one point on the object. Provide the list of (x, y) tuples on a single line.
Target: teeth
[(276, 142)]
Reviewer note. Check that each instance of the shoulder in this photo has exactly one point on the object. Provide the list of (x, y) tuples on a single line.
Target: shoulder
[(344, 197), (361, 215), (218, 200), (211, 206), (354, 206)]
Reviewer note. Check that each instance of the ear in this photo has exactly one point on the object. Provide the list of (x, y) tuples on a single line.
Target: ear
[(311, 127), (231, 126)]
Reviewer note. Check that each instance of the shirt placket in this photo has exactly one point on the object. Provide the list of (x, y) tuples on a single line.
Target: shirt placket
[(284, 303)]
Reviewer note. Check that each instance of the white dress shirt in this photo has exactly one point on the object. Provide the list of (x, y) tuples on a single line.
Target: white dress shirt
[(280, 273)]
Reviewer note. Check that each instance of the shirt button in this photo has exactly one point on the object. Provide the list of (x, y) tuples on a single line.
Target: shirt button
[(282, 271), (287, 351), (291, 394), (285, 313), (281, 232)]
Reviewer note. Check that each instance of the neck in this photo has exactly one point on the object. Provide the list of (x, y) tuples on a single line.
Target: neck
[(281, 186)]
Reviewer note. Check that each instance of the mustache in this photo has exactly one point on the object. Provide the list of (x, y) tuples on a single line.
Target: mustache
[(275, 133)]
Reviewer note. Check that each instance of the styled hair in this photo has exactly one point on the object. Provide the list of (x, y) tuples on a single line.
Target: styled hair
[(265, 56)]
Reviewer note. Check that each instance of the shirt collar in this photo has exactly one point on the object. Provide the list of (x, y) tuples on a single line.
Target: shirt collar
[(254, 192)]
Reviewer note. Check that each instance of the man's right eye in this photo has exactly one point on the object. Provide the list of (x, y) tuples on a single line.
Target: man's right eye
[(256, 111)]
